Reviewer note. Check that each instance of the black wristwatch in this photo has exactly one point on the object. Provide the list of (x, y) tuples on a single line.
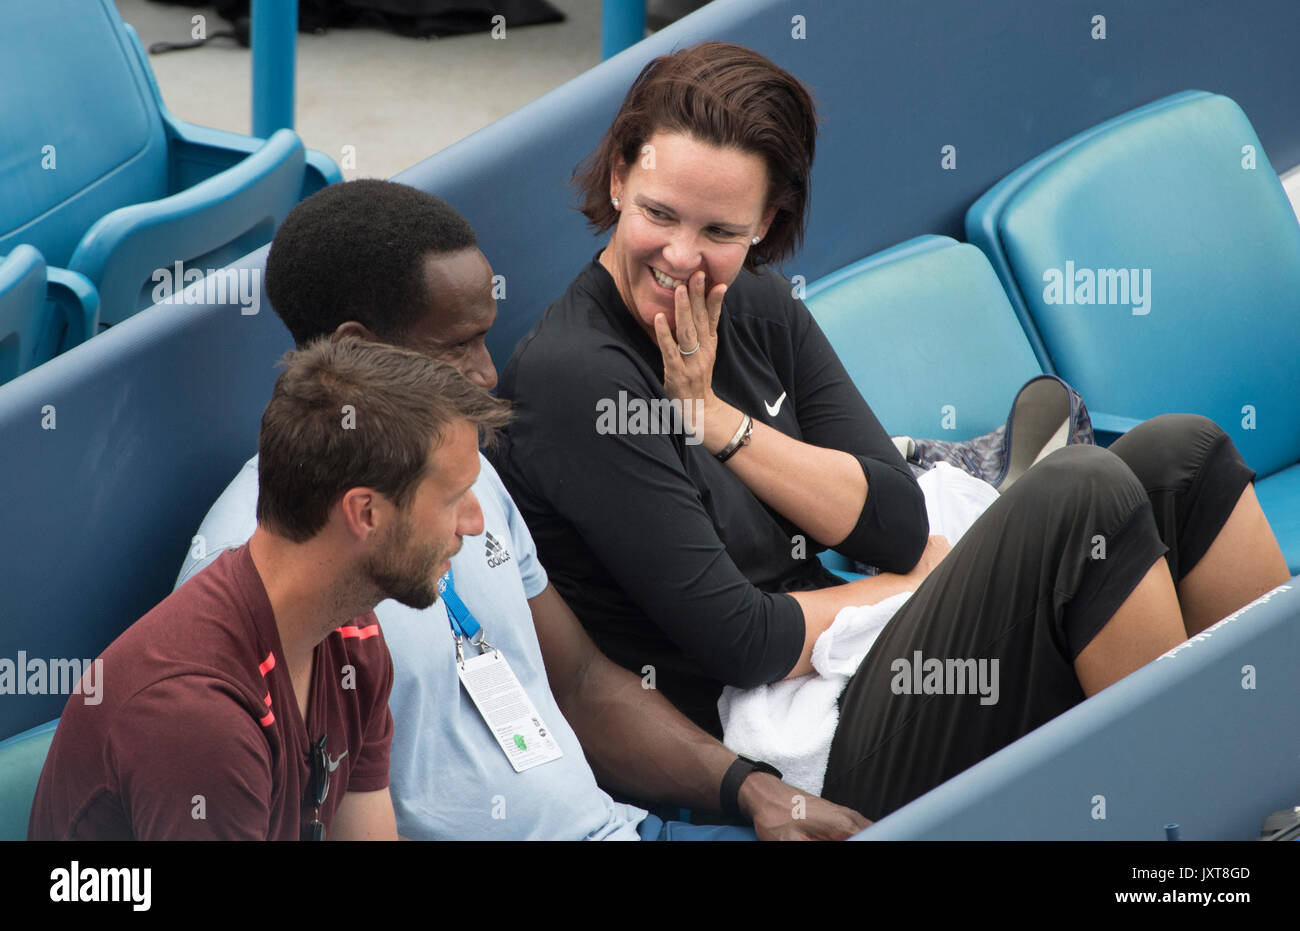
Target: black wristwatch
[(735, 775)]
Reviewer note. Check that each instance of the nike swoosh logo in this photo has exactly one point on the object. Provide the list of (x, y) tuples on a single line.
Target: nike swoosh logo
[(774, 409), (334, 761)]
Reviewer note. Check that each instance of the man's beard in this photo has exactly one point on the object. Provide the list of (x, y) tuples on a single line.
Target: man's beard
[(406, 576)]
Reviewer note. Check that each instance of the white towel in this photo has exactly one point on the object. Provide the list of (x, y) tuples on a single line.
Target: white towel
[(790, 723)]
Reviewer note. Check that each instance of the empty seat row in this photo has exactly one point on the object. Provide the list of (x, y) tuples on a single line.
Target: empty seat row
[(108, 190), (1153, 262)]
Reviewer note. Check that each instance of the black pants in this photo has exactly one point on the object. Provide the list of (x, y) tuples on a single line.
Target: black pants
[(1029, 585)]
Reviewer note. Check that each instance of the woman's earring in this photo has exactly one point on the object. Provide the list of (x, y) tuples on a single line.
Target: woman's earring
[(754, 241), (614, 201)]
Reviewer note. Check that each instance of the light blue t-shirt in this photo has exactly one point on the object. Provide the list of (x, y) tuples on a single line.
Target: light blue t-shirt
[(450, 778)]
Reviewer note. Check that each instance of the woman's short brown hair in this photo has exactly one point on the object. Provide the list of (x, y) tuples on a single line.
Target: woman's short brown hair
[(724, 95), (357, 413)]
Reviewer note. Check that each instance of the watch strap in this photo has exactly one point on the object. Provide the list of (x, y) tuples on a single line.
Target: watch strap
[(729, 793)]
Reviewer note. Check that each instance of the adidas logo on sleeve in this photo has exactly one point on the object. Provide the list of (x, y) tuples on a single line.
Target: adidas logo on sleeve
[(497, 555)]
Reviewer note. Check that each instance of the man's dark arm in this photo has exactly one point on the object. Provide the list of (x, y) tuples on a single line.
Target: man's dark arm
[(640, 745)]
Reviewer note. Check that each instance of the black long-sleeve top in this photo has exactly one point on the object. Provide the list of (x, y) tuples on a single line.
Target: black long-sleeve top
[(666, 557)]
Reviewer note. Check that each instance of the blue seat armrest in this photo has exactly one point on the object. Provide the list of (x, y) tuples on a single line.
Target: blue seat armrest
[(198, 152), (23, 311), (124, 249), (78, 300), (321, 172), (1110, 427)]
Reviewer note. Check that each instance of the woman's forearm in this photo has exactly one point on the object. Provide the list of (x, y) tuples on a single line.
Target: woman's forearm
[(821, 490), (822, 605)]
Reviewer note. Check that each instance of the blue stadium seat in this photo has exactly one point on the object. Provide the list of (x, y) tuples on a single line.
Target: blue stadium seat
[(29, 296), (1182, 255), (21, 760), (926, 333), (928, 336), (103, 180)]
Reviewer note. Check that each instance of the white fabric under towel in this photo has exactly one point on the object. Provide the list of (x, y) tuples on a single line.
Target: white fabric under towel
[(790, 724)]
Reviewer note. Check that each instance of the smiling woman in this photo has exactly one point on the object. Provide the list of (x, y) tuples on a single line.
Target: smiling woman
[(689, 551), (702, 181)]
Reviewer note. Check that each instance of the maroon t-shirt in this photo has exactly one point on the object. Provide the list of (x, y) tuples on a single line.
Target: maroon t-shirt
[(198, 735)]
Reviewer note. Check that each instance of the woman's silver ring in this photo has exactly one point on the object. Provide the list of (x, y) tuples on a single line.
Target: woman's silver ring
[(690, 352)]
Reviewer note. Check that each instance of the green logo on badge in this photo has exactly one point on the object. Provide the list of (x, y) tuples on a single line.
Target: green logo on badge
[(519, 742)]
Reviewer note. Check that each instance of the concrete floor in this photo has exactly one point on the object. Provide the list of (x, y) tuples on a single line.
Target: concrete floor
[(395, 100)]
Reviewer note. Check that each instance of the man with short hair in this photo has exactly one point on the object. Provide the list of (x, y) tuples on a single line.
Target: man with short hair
[(384, 261), (253, 702)]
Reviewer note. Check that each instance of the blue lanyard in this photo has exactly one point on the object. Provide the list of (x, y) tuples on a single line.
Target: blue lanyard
[(459, 617)]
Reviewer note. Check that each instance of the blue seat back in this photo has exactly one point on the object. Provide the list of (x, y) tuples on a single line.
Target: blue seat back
[(1179, 200), (22, 309), (112, 453), (82, 134), (928, 336), (21, 759)]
